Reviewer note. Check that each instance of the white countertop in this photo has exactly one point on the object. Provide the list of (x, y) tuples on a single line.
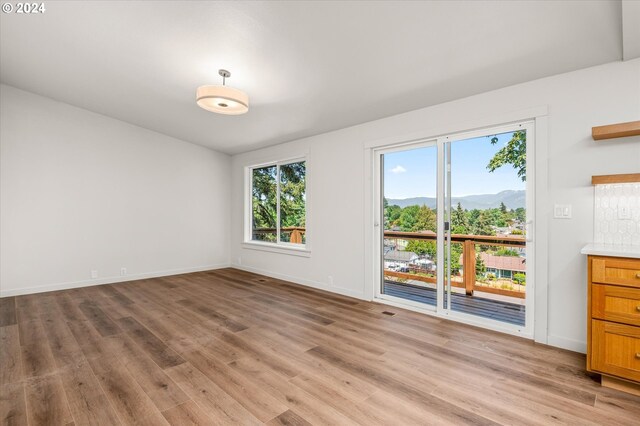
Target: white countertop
[(614, 250)]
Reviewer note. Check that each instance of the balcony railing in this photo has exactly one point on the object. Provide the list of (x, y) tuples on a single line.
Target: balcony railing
[(468, 279), (289, 234)]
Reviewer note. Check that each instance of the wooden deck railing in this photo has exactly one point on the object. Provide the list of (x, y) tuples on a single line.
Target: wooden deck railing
[(295, 232), (469, 242), (468, 259)]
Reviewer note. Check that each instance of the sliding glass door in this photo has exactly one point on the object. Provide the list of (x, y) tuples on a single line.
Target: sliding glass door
[(409, 188), (456, 227)]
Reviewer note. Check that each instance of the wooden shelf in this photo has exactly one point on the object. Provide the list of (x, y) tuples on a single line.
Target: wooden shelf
[(619, 130), (624, 178)]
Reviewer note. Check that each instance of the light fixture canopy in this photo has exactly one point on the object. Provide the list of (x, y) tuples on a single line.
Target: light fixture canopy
[(222, 99)]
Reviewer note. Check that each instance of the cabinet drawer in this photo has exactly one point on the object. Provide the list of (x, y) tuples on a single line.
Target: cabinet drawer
[(624, 272), (615, 349), (615, 303)]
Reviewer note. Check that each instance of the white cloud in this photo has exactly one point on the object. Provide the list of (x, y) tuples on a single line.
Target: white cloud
[(398, 169)]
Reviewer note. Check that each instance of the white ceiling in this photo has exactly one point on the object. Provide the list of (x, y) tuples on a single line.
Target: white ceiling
[(308, 67)]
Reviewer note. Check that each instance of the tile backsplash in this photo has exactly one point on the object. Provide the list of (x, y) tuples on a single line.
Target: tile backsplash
[(617, 214)]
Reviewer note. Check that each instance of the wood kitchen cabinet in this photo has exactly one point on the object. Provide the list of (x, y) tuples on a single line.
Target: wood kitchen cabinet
[(613, 333)]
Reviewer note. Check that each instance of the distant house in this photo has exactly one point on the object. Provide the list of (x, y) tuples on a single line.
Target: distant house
[(399, 259), (389, 245), (502, 266), (424, 263), (400, 256)]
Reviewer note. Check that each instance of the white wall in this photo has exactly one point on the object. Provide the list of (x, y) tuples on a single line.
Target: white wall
[(576, 101), (81, 192)]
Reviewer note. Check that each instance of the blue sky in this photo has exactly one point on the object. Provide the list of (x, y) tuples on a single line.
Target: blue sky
[(412, 173)]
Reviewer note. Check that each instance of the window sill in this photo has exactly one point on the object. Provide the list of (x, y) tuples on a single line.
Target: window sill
[(282, 249)]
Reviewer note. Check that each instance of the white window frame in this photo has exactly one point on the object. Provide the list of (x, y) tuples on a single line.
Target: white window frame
[(278, 246)]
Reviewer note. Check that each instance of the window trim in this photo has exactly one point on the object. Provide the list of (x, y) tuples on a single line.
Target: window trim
[(277, 246)]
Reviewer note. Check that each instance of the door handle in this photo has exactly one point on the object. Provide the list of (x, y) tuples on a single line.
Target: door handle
[(529, 231)]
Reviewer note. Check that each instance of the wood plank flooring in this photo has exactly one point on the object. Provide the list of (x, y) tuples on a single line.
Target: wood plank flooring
[(230, 347)]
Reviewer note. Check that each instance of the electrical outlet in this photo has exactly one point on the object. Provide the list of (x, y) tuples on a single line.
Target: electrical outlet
[(624, 212), (330, 280), (123, 271), (94, 274)]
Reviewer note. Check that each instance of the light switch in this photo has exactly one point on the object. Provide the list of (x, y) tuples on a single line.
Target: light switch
[(562, 211), (557, 211)]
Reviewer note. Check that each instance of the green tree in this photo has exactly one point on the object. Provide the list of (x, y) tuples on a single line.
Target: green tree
[(264, 201), (482, 225), (415, 218), (422, 248), (292, 194), (480, 267), (472, 218), (391, 215), (503, 208), (425, 220), (514, 153), (495, 217), (520, 278), (459, 221), (456, 252), (408, 218), (507, 252)]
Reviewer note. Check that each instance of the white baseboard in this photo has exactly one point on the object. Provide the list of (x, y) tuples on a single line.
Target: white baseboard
[(107, 280), (302, 281), (566, 343)]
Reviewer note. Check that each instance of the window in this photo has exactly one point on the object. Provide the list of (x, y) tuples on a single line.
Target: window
[(278, 203)]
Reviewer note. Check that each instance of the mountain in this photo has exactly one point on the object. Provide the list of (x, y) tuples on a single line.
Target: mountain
[(511, 199)]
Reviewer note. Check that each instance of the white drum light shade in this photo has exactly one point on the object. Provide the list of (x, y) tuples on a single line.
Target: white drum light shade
[(222, 99)]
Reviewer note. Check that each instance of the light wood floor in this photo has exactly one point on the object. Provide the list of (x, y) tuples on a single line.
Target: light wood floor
[(229, 347)]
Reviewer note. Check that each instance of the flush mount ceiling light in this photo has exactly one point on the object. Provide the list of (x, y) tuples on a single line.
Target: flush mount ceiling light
[(222, 99)]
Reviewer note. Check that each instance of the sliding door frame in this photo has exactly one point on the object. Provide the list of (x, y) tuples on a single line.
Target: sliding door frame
[(536, 120), (378, 194), (446, 143)]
